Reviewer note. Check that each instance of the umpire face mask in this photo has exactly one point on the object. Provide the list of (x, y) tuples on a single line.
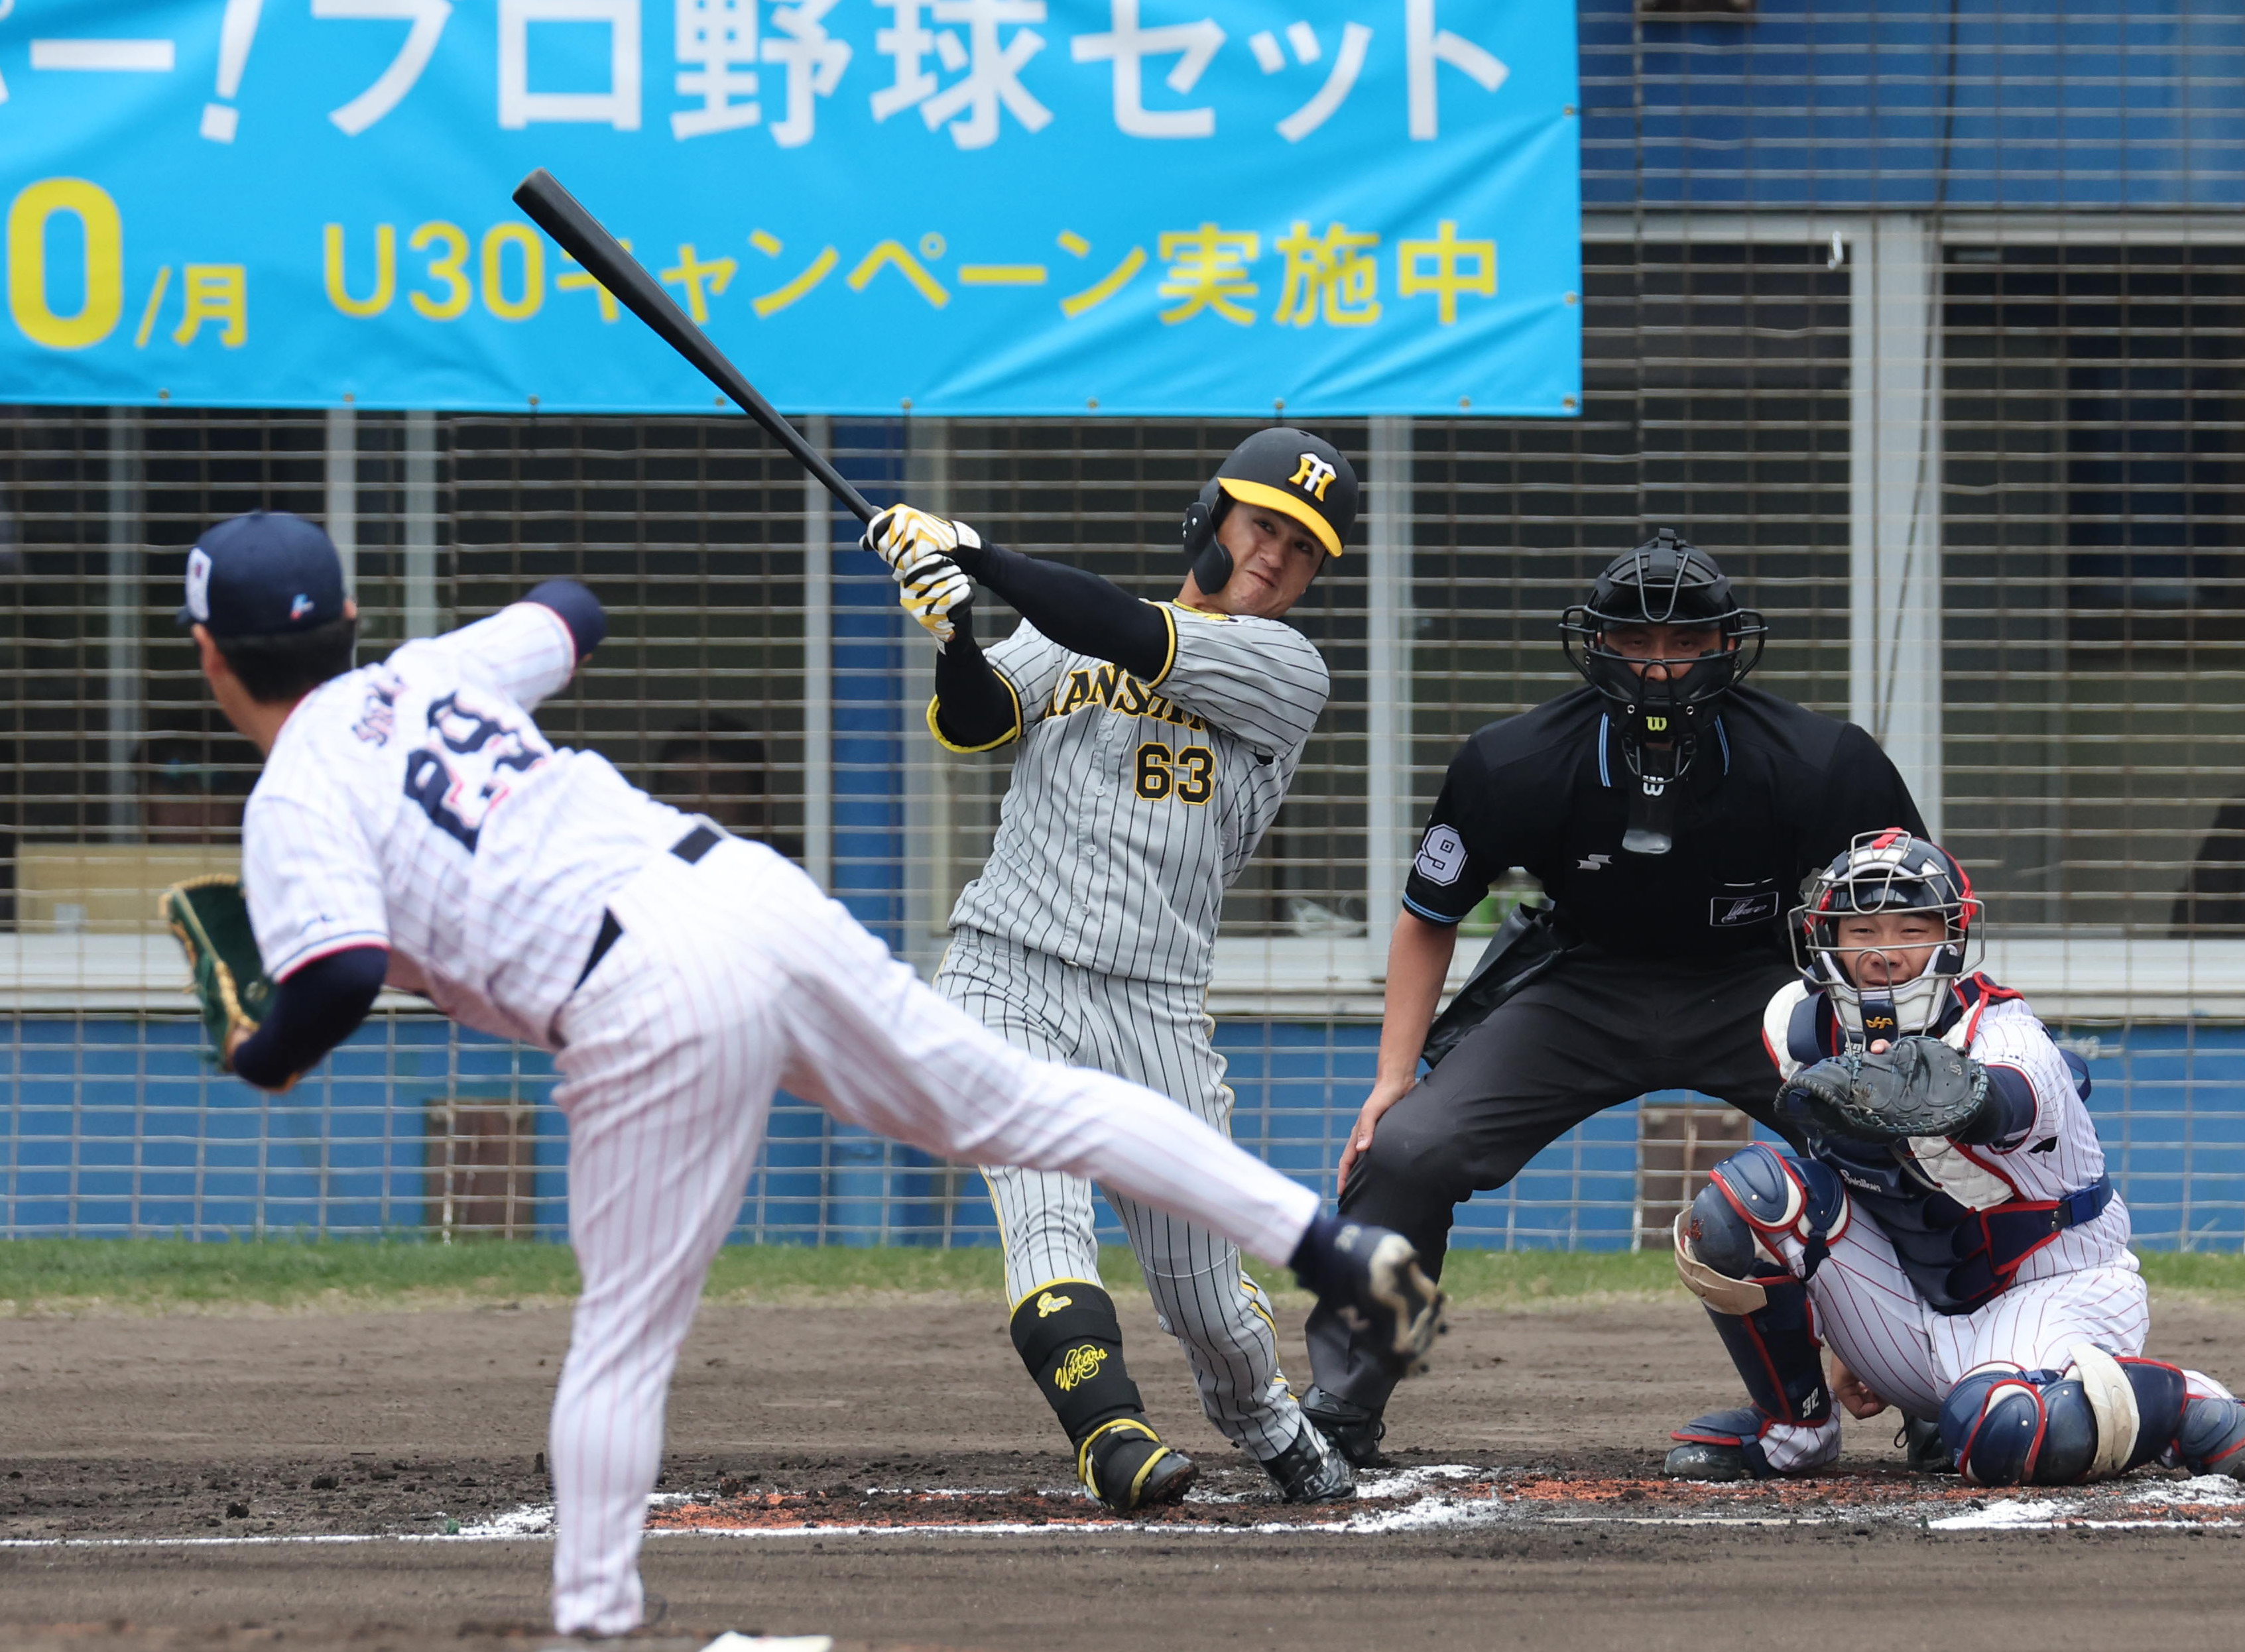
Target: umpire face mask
[(1663, 638)]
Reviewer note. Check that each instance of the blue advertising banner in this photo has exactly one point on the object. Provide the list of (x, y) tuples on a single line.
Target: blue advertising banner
[(1141, 208)]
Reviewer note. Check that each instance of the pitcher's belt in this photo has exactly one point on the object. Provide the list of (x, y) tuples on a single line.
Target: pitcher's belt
[(689, 849)]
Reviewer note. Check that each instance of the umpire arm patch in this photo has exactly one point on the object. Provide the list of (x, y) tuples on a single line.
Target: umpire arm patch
[(1441, 855)]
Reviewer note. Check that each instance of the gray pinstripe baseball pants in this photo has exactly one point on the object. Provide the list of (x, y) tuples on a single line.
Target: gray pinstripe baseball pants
[(1158, 1035)]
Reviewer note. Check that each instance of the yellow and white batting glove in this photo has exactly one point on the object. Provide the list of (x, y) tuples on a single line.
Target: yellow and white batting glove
[(903, 531), (930, 585)]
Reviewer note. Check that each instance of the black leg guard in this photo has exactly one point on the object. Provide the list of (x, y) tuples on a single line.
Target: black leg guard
[(1068, 1337)]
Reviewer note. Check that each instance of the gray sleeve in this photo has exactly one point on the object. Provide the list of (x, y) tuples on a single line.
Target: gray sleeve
[(1258, 679), (1031, 663)]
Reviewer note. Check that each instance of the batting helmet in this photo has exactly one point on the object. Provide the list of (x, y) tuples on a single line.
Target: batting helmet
[(1300, 476)]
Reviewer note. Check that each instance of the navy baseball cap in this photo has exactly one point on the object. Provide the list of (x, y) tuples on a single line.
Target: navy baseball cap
[(262, 575)]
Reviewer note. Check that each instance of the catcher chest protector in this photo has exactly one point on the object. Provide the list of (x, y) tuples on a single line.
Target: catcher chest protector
[(1300, 476), (1960, 1259)]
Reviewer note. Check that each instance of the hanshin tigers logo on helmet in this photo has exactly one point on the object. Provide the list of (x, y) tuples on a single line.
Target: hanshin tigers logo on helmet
[(1313, 476)]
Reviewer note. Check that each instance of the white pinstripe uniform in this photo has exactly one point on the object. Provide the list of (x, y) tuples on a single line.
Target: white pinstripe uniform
[(1090, 937), (2083, 1286), (415, 805)]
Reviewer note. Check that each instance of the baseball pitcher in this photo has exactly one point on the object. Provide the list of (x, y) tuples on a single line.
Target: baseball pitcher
[(1157, 740), (412, 824)]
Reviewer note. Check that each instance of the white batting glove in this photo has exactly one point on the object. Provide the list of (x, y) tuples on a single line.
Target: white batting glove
[(903, 530), (929, 585)]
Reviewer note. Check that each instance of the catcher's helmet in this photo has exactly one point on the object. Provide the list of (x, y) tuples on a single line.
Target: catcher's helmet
[(1887, 871), (1291, 471), (1666, 581)]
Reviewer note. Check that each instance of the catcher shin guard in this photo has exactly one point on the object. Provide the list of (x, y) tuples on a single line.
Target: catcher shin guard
[(2212, 1437), (1069, 1338), (2099, 1417), (1762, 1314)]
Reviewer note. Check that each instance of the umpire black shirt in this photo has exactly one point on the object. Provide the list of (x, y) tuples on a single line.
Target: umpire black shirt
[(1773, 793)]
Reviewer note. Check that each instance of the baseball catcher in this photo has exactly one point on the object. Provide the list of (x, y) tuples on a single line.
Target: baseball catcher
[(1951, 1230)]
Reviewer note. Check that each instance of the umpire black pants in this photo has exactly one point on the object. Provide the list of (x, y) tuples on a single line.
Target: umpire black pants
[(1596, 1031)]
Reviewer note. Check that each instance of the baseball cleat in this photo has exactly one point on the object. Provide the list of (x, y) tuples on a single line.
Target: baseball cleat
[(1310, 1470), (1722, 1446), (1727, 1445), (1920, 1438), (1125, 1466), (1707, 1460), (1354, 1431), (1371, 1278)]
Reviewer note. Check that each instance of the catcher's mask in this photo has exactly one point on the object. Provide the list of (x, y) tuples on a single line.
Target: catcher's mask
[(1301, 476), (1887, 871), (1666, 581)]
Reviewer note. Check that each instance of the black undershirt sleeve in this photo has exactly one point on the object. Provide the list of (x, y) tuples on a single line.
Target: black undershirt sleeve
[(973, 708), (1079, 611), (314, 1010)]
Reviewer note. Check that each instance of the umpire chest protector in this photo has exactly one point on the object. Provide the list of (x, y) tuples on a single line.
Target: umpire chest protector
[(1959, 1228)]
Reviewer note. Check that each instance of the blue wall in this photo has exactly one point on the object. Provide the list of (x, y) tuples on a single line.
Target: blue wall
[(1917, 103), (115, 1126)]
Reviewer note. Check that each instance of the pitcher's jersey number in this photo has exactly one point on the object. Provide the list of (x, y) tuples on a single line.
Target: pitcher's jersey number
[(1188, 775), (468, 763)]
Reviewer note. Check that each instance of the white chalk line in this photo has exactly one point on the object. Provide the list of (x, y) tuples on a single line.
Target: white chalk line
[(534, 1522)]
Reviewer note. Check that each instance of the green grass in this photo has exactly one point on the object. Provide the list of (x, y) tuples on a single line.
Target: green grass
[(171, 1276)]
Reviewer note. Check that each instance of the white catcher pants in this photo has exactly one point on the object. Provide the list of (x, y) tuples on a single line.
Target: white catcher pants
[(1870, 1315), (734, 976)]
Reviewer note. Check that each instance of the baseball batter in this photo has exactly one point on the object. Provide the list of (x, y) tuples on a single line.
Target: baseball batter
[(1952, 1231), (412, 824), (1157, 741)]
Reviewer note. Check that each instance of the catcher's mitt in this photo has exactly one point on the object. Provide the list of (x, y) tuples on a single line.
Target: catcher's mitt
[(226, 973), (1920, 1087)]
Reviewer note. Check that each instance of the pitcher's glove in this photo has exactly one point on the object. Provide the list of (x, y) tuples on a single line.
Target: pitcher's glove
[(1919, 1087), (932, 589), (226, 973)]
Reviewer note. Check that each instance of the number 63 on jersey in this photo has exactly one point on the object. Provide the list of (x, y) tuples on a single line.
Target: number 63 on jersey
[(1187, 775)]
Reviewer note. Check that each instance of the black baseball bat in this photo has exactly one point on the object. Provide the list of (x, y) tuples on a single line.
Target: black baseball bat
[(563, 217)]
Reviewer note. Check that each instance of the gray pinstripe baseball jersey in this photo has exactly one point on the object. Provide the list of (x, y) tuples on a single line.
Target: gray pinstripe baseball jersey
[(1133, 805), (1090, 936)]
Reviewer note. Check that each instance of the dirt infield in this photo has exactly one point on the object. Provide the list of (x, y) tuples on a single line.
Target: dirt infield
[(883, 1473)]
